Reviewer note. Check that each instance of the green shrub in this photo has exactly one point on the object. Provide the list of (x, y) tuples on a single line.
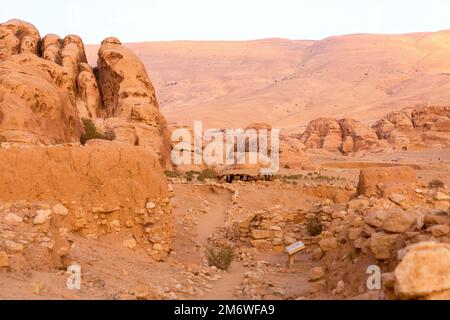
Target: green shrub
[(172, 174), (294, 177), (436, 184), (190, 175), (220, 257), (315, 228), (90, 133), (207, 174)]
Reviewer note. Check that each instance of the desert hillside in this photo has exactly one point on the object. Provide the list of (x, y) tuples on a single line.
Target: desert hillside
[(289, 83), (94, 205)]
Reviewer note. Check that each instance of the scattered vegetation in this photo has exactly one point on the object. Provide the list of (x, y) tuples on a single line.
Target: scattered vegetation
[(220, 257), (294, 177), (310, 176), (315, 228), (172, 174), (436, 184), (207, 174), (191, 174), (90, 133)]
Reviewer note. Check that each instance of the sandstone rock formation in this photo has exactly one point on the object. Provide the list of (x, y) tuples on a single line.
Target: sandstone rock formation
[(323, 133), (410, 129), (387, 181), (16, 37), (47, 91), (67, 91), (416, 128), (50, 48), (34, 109), (346, 136), (129, 96)]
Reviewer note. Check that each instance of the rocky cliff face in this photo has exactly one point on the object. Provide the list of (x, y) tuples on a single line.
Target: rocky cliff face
[(48, 92), (47, 88)]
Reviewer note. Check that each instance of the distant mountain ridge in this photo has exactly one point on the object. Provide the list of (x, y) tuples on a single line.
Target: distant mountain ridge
[(287, 83)]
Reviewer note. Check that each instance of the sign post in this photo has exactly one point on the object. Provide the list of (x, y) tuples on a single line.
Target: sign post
[(292, 250)]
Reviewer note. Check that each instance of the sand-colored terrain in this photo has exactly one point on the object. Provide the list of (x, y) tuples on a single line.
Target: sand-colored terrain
[(288, 83), (86, 177)]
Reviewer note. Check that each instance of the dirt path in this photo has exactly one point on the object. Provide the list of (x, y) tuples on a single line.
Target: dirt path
[(210, 222), (209, 217)]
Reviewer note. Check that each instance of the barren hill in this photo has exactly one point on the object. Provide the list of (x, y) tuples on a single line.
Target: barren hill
[(288, 83)]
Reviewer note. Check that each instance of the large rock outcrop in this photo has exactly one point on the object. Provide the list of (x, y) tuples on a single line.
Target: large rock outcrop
[(416, 128), (49, 100), (345, 136), (47, 88), (129, 96), (410, 129), (17, 37), (323, 133)]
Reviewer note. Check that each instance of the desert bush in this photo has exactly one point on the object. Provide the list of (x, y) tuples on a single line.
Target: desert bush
[(220, 257), (172, 174), (294, 177), (90, 133), (315, 228), (207, 174), (436, 184), (190, 175)]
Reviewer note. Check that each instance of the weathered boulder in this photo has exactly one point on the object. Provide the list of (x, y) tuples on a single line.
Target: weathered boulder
[(375, 218), (16, 37), (316, 273), (328, 244), (382, 245), (34, 108), (424, 271), (382, 181), (398, 220)]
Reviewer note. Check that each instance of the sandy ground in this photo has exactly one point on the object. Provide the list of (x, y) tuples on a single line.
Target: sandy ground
[(110, 271)]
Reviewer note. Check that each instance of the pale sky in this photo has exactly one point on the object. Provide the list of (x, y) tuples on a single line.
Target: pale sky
[(151, 20)]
